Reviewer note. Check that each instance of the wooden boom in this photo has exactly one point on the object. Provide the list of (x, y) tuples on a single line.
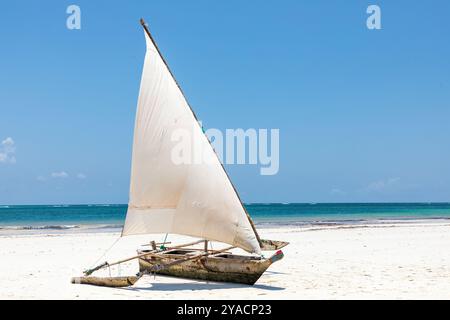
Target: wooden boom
[(131, 280), (106, 264)]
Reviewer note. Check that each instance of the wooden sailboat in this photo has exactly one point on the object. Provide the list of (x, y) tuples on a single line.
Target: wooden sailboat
[(193, 199)]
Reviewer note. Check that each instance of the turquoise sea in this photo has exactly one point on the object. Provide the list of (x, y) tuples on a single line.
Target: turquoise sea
[(111, 217)]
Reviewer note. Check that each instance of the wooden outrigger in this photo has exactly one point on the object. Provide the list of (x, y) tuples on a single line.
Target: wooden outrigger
[(181, 261)]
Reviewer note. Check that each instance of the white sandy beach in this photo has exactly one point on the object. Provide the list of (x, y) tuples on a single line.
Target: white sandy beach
[(392, 261)]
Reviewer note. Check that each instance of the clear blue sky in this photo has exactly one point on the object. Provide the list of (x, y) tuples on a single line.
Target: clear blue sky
[(363, 114)]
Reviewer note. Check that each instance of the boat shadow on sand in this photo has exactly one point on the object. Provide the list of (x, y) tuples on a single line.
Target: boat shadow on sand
[(199, 286)]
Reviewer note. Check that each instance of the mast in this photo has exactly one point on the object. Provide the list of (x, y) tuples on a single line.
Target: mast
[(147, 31)]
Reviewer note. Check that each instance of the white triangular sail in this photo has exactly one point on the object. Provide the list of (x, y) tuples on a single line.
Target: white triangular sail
[(165, 197)]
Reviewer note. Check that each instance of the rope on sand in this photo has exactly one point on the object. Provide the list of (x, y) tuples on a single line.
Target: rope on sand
[(104, 254)]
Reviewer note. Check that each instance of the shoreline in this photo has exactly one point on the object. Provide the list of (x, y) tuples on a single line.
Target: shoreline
[(9, 230)]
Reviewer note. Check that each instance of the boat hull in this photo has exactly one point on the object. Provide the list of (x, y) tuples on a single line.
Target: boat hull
[(220, 267)]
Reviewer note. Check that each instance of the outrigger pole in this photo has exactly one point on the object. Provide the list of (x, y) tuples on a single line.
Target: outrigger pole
[(131, 280)]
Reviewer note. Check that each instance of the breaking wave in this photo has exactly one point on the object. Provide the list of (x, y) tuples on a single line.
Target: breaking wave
[(63, 227), (49, 227)]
